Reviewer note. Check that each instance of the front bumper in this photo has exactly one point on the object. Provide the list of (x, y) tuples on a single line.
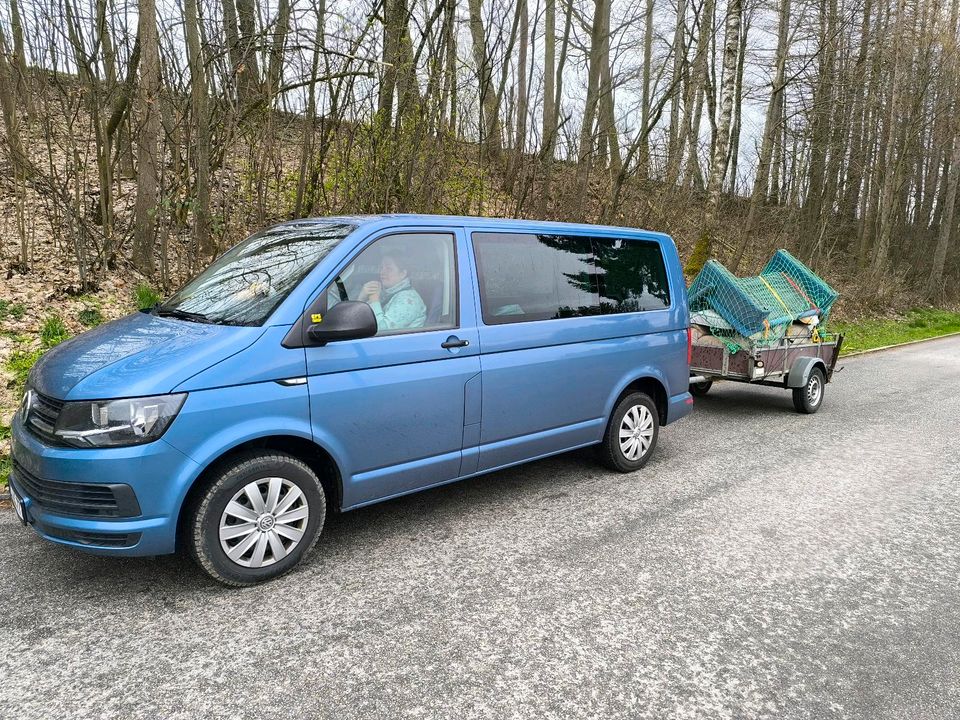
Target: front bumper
[(156, 474)]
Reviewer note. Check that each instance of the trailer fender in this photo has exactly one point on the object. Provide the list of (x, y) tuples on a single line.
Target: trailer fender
[(800, 370)]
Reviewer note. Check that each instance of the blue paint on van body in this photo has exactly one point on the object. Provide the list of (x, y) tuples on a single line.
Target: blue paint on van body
[(394, 414)]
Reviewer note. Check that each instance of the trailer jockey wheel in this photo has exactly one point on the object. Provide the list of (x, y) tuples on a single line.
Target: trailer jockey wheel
[(701, 388), (807, 399)]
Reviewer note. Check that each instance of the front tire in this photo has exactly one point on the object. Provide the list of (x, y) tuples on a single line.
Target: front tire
[(809, 398), (631, 434), (259, 516)]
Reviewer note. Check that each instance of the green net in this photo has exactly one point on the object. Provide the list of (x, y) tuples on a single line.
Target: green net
[(787, 299)]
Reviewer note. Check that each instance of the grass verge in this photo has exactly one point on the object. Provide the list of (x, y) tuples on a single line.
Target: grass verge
[(918, 324), (22, 359)]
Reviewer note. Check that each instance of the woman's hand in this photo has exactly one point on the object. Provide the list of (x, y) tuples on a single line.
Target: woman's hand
[(370, 292)]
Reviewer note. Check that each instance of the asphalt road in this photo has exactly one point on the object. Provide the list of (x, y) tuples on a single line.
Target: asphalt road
[(764, 564)]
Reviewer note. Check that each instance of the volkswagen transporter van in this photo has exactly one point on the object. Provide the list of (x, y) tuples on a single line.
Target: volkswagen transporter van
[(332, 363)]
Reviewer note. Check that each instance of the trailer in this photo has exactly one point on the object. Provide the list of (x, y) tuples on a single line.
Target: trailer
[(804, 367), (767, 329)]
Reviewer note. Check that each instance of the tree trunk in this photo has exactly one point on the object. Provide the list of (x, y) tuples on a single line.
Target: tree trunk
[(490, 112), (599, 34), (11, 123), (450, 75), (643, 162), (610, 136), (232, 35), (892, 159), (303, 203), (275, 69), (704, 247), (549, 127), (675, 145), (552, 119), (861, 102), (520, 138), (771, 127), (148, 95), (821, 114), (249, 85), (19, 66), (94, 101), (692, 95), (948, 202), (733, 152), (205, 247)]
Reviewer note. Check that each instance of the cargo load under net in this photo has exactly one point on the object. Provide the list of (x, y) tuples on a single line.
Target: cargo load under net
[(786, 300)]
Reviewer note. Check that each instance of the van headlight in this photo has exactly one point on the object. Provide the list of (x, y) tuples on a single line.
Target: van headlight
[(116, 423)]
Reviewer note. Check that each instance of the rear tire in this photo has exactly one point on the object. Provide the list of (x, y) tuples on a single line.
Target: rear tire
[(258, 517), (631, 435), (700, 389), (808, 398)]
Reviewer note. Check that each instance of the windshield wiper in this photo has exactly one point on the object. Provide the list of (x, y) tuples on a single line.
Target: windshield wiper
[(181, 314)]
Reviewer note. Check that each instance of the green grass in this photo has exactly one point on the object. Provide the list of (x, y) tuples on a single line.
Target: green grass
[(6, 465), (145, 296), (90, 316), (53, 331), (11, 310), (19, 364), (915, 325)]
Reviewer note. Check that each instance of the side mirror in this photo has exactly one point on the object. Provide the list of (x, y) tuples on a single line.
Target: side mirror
[(348, 320)]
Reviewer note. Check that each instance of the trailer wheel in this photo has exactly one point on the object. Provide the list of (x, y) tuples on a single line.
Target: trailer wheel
[(701, 388), (809, 398)]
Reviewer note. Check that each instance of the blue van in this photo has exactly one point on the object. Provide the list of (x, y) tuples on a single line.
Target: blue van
[(326, 364)]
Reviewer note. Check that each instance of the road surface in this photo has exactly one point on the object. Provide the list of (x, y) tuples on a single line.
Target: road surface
[(765, 564)]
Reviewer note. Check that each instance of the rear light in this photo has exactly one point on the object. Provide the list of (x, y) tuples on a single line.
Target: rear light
[(689, 345)]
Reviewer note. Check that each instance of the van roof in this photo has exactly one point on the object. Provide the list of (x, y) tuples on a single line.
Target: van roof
[(473, 221)]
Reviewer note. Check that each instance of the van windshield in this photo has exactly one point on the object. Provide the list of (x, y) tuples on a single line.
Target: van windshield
[(245, 284)]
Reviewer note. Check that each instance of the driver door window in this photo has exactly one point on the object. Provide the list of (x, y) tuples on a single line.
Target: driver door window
[(409, 280)]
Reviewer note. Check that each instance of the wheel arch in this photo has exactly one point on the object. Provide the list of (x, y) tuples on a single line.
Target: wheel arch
[(652, 386), (316, 457), (800, 370)]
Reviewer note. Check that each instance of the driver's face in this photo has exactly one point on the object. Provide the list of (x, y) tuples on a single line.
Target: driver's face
[(390, 274)]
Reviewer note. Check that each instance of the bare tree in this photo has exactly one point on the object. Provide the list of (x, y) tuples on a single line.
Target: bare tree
[(148, 96)]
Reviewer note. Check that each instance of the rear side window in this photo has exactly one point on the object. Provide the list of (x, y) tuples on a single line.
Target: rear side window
[(631, 276), (525, 277)]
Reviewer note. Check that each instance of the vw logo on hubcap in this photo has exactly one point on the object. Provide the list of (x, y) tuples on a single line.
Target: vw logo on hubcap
[(265, 522)]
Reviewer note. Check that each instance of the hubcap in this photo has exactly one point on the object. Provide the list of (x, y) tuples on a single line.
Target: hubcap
[(636, 432), (814, 390), (263, 522)]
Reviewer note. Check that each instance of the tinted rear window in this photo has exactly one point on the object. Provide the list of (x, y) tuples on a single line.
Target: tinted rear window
[(526, 277), (631, 276)]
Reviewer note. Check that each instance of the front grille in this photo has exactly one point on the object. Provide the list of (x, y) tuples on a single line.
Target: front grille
[(86, 499), (42, 418)]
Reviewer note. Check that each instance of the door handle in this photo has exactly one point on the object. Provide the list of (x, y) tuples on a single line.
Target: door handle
[(454, 342)]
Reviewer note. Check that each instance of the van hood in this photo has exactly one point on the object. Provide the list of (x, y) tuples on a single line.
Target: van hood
[(140, 354)]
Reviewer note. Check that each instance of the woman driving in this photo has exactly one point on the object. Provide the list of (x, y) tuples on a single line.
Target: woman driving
[(395, 303)]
